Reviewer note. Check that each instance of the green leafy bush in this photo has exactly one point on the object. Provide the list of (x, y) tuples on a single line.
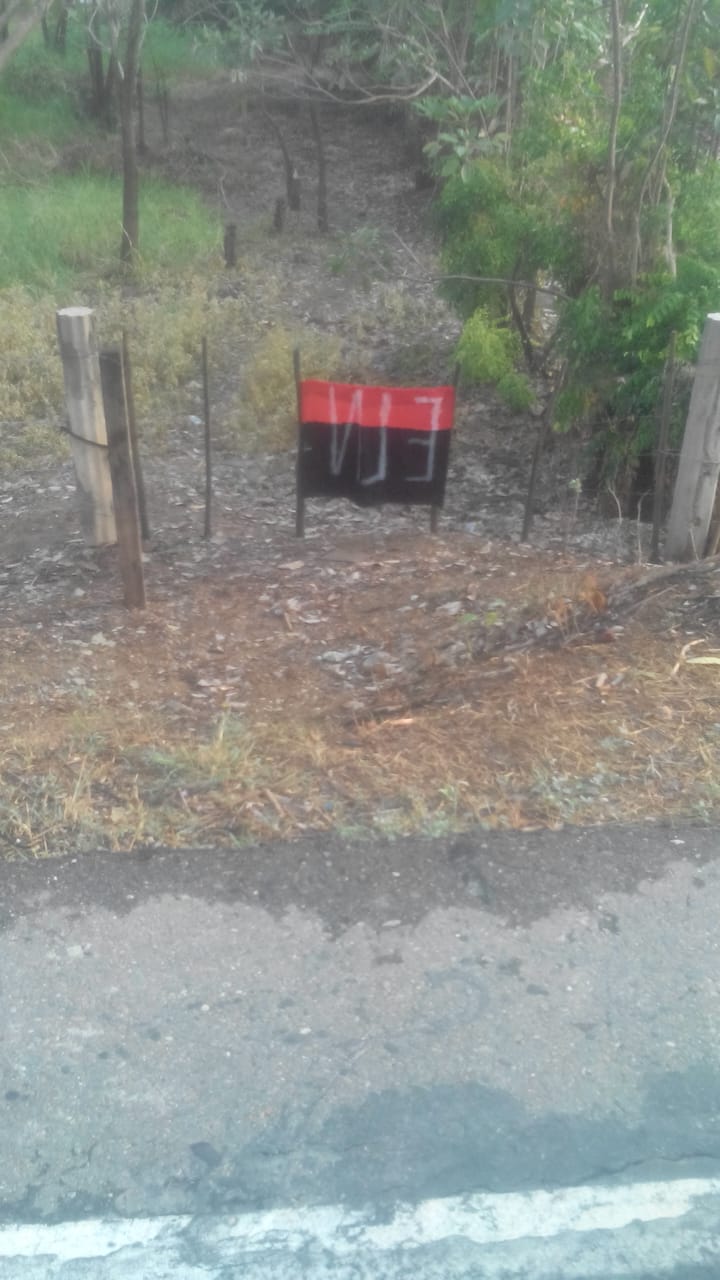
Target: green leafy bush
[(496, 226), (617, 352), (608, 190), (515, 390), (265, 415), (485, 352), (488, 352)]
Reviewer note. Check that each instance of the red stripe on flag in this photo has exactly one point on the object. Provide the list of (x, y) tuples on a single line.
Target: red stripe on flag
[(407, 408)]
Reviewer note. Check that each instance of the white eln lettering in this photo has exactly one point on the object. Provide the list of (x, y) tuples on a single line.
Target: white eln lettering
[(380, 474), (429, 440), (338, 448)]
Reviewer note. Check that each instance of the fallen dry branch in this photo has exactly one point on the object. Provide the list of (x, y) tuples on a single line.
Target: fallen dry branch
[(594, 615), (626, 596)]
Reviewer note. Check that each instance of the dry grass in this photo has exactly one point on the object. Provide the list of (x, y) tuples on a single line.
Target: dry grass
[(217, 718)]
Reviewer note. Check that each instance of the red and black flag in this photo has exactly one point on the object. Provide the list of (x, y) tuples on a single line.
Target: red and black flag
[(374, 444)]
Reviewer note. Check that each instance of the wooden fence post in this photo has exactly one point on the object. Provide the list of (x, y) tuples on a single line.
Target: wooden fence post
[(208, 441), (123, 478), (696, 483), (661, 450), (299, 493), (230, 244), (88, 436), (134, 445)]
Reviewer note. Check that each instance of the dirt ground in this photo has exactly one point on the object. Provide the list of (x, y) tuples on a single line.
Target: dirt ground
[(370, 678)]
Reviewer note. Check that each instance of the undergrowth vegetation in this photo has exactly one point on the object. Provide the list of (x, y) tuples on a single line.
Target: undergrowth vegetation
[(44, 91), (584, 161), (59, 237), (165, 324), (60, 234), (43, 75), (264, 413), (60, 224), (60, 229)]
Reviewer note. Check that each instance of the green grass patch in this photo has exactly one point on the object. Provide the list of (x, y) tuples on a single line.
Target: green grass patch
[(174, 53), (30, 374), (38, 74), (54, 233), (40, 94), (42, 91), (55, 119)]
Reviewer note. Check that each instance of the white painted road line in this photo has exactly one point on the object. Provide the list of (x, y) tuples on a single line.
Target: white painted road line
[(636, 1230)]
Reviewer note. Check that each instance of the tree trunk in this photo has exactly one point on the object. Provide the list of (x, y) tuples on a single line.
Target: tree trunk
[(102, 84), (110, 84), (131, 182), (292, 179), (671, 105), (141, 140), (322, 207), (131, 177), (97, 78), (610, 265), (60, 34)]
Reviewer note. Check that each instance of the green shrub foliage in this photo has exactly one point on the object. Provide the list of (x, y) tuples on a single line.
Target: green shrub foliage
[(588, 165)]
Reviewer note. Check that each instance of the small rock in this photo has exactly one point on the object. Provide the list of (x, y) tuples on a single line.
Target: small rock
[(377, 664), (340, 655)]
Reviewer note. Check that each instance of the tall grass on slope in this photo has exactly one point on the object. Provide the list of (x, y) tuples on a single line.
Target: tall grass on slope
[(59, 246), (37, 72), (174, 53), (44, 93), (41, 94), (64, 231), (54, 120)]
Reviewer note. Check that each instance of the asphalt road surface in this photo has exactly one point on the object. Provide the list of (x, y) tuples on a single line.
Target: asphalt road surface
[(494, 1056)]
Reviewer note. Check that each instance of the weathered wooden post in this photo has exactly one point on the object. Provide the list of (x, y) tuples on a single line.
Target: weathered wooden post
[(662, 450), (208, 441), (88, 436), (123, 478), (299, 494), (695, 487), (134, 445), (230, 244)]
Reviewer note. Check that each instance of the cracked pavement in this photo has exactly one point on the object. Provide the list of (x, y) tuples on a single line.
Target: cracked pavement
[(223, 1031)]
